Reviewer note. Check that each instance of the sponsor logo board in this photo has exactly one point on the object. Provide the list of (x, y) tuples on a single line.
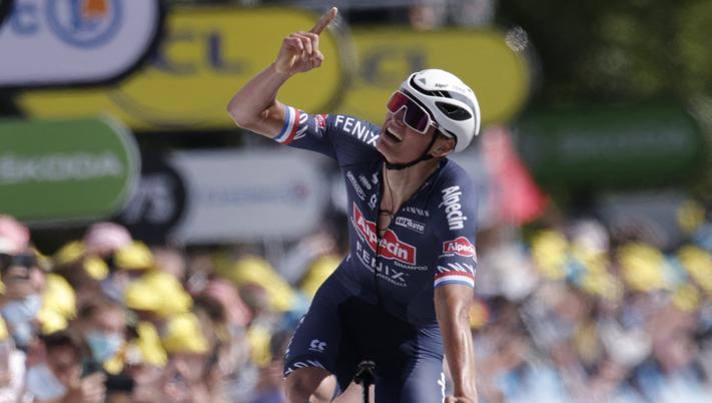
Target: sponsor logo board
[(207, 54), (226, 201), (85, 41), (88, 168), (388, 54)]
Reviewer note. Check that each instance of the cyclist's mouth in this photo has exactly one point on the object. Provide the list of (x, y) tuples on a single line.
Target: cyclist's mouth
[(392, 137)]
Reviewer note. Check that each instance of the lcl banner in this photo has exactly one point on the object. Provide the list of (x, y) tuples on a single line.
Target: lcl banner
[(54, 43), (208, 54), (497, 72)]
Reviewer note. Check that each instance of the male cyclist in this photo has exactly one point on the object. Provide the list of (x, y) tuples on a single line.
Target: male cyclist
[(401, 297)]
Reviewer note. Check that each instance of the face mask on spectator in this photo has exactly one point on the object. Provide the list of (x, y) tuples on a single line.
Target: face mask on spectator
[(23, 310), (104, 345), (43, 384), (19, 315)]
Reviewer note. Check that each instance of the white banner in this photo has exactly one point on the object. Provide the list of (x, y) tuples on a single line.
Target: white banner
[(248, 195), (62, 42)]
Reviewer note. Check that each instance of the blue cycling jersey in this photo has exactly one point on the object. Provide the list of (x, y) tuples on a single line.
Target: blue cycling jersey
[(430, 240)]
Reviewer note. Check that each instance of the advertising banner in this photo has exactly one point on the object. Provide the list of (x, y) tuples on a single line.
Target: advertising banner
[(207, 55), (482, 59), (611, 145), (75, 42), (248, 195), (158, 203), (61, 170)]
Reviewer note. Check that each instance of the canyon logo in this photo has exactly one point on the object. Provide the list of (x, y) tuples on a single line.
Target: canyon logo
[(459, 246), (390, 247)]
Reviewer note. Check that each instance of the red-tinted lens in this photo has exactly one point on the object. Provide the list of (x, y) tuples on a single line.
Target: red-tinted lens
[(415, 116), (397, 101)]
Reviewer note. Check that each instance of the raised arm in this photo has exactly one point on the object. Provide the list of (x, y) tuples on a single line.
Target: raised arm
[(452, 307), (255, 106)]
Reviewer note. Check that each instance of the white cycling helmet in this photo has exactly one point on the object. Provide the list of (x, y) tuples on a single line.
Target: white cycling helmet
[(451, 103)]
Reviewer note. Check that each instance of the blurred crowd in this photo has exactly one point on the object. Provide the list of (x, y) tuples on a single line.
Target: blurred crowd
[(565, 310), (106, 318), (575, 311)]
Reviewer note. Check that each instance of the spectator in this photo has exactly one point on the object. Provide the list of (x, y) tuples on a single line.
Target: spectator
[(54, 371)]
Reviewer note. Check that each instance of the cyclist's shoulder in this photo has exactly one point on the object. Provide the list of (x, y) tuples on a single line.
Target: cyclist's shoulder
[(452, 174), (354, 128), (454, 200), (353, 139)]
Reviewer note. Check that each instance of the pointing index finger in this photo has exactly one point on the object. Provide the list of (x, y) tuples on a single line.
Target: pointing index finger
[(324, 20)]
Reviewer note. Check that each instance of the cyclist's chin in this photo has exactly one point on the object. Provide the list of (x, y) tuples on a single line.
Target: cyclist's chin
[(392, 153)]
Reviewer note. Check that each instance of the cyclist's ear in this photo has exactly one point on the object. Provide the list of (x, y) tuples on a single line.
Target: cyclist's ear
[(443, 145)]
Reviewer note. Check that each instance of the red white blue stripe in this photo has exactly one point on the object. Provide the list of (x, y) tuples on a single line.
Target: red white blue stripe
[(456, 273), (291, 124)]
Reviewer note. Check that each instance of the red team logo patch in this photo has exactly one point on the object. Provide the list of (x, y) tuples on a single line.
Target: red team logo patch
[(460, 246), (390, 246)]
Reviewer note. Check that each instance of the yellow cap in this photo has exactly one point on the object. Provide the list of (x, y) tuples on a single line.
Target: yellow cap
[(59, 296), (51, 321), (3, 330), (686, 297), (174, 298), (96, 268), (148, 346), (642, 267), (602, 284), (134, 256), (258, 337), (69, 253), (139, 296), (550, 252), (698, 263), (256, 270), (183, 334)]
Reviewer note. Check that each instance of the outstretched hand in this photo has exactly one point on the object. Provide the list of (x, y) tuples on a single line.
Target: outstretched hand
[(300, 50)]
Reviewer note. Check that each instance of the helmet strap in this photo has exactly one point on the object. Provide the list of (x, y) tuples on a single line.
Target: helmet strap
[(423, 157)]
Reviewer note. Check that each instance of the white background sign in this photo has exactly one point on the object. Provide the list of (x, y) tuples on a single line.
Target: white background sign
[(248, 195), (60, 42)]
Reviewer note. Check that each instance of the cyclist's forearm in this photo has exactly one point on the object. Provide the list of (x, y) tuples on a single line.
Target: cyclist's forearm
[(256, 100), (453, 317)]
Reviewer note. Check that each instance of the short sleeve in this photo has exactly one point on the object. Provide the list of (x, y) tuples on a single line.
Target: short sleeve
[(455, 223), (344, 138)]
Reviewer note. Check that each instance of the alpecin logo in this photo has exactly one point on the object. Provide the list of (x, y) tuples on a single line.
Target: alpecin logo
[(390, 246), (459, 246)]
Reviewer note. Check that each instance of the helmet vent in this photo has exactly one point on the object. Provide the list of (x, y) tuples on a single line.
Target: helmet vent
[(443, 94), (454, 112)]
